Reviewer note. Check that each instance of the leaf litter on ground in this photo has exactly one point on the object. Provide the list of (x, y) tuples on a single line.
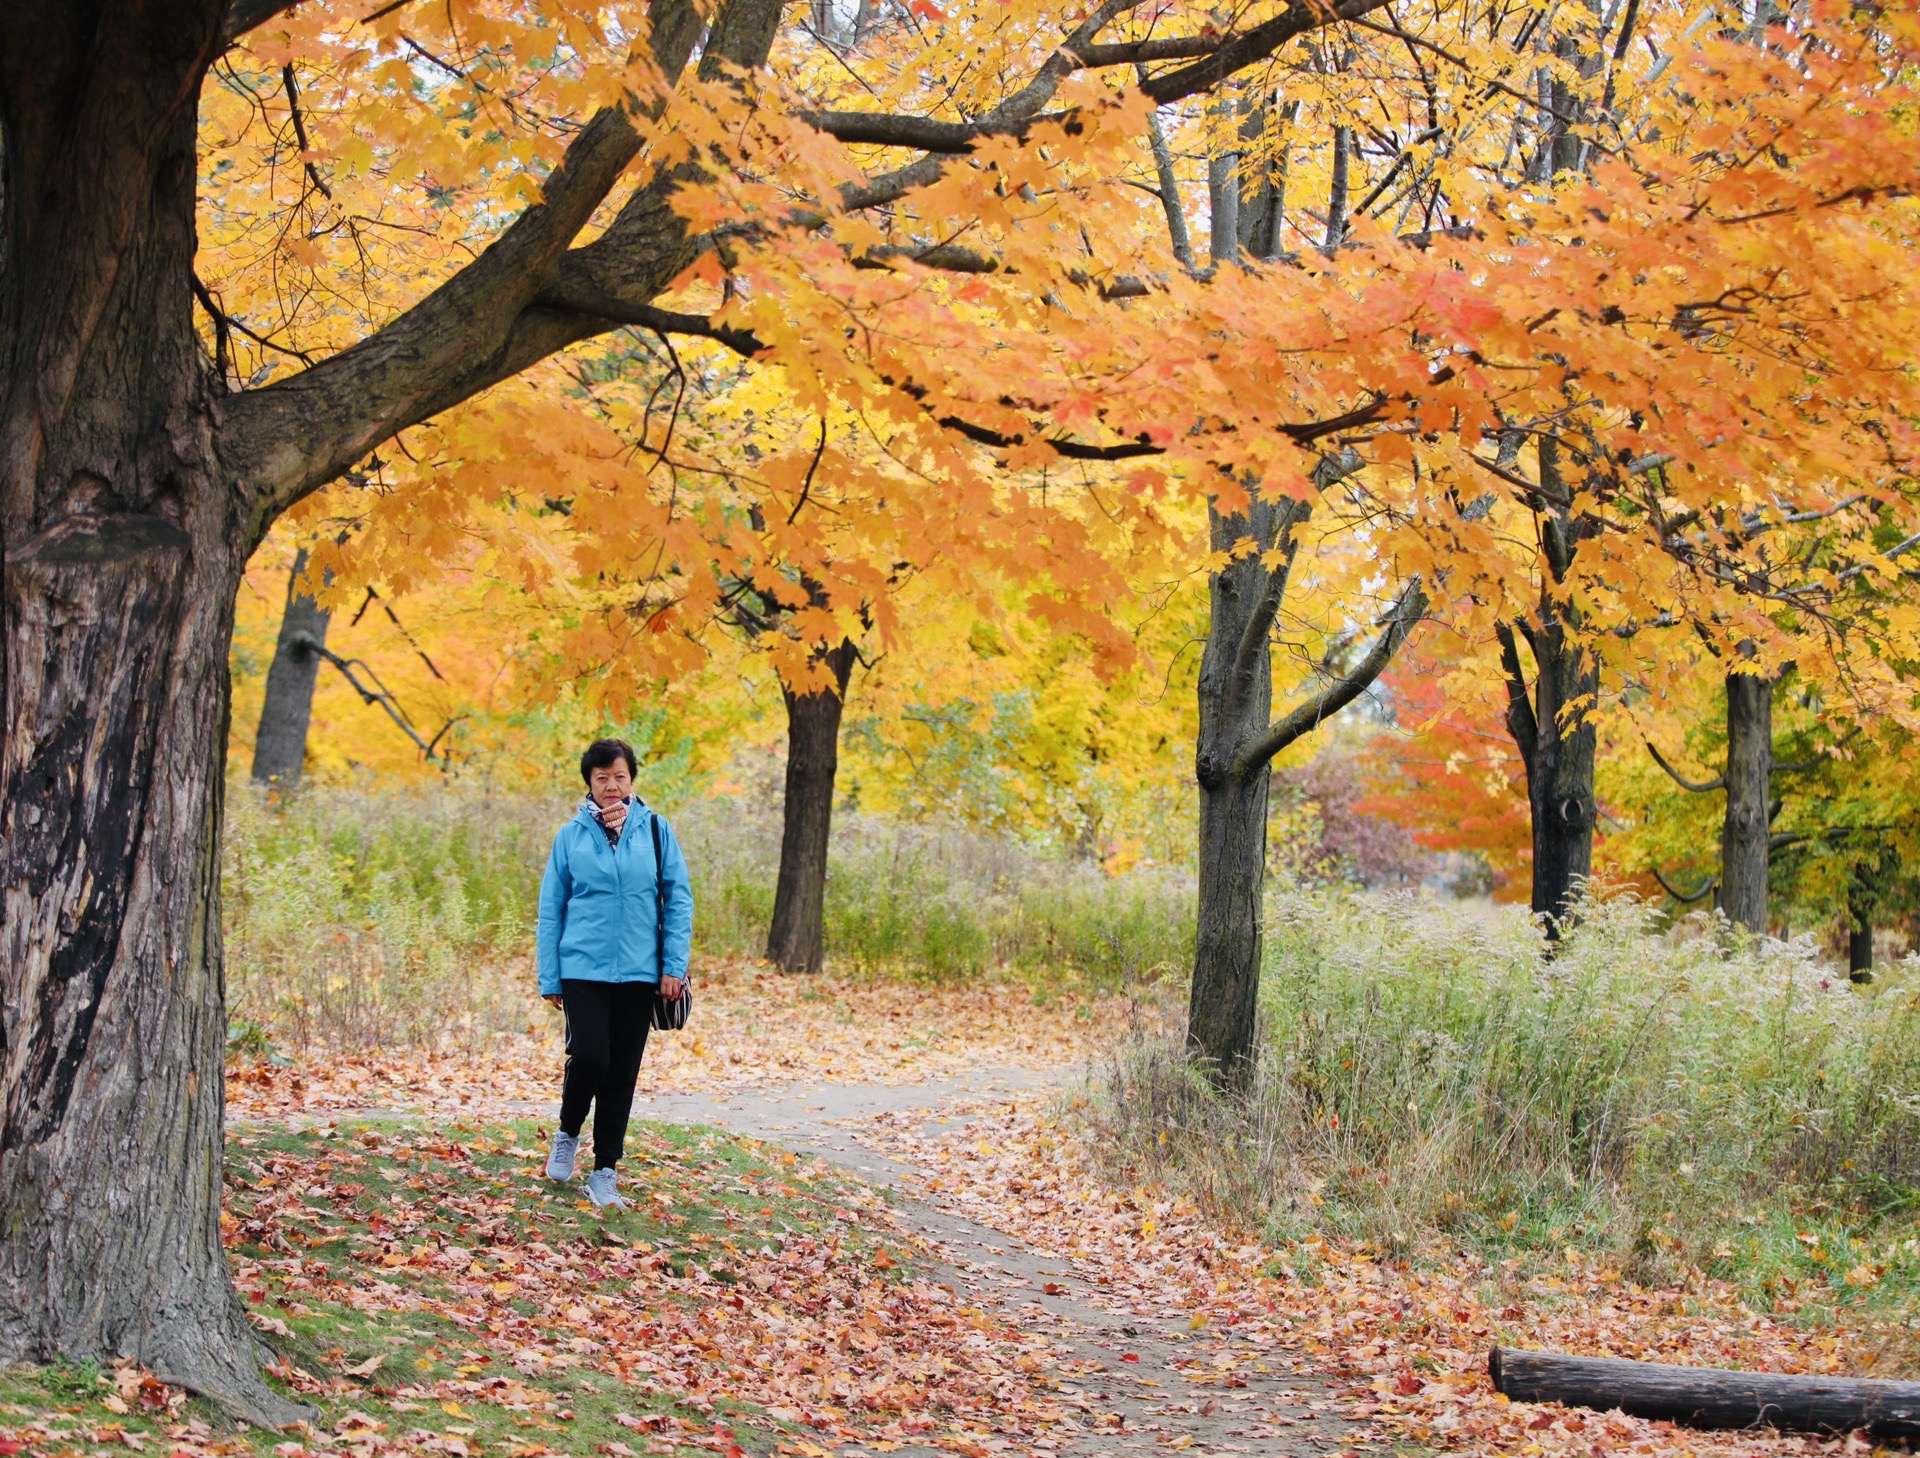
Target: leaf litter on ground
[(752, 1028), (1407, 1341), (429, 1293)]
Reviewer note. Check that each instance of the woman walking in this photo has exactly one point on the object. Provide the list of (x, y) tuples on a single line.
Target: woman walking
[(616, 926)]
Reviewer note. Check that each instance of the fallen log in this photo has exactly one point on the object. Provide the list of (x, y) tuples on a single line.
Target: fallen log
[(1710, 1397)]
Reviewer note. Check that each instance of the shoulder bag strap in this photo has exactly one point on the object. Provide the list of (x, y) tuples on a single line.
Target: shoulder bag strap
[(659, 898)]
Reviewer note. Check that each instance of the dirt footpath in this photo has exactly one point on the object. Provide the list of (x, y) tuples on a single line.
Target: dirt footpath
[(1149, 1383)]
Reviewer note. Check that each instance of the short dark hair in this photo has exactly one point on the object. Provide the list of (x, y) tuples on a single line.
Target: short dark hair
[(603, 752)]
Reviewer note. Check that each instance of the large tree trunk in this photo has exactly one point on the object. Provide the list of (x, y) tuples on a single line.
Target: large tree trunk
[(280, 746), (797, 939), (123, 557), (1746, 830), (1236, 700)]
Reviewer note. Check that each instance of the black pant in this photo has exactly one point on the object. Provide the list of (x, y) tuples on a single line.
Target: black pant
[(607, 1026)]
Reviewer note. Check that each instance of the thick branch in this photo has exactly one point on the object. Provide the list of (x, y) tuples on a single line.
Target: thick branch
[(922, 134), (1520, 718), (290, 437), (1329, 472), (1238, 52), (1254, 635), (246, 15), (1220, 57), (484, 324), (1407, 611)]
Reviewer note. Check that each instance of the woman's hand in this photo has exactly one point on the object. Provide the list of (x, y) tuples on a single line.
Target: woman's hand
[(551, 999), (672, 987)]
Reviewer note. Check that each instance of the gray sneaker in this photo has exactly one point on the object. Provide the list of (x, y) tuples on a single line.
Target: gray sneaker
[(600, 1190), (560, 1162)]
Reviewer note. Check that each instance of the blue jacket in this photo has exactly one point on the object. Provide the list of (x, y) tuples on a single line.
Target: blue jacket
[(598, 907)]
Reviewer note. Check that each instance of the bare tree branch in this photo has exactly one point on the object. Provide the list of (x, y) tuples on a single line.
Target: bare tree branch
[(1707, 888), (1701, 788), (1407, 612)]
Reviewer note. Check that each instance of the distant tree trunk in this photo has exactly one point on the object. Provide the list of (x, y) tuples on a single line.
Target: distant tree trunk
[(280, 747), (1223, 199), (1557, 743), (1234, 755), (1745, 832), (1337, 188), (1552, 722), (797, 940), (1860, 946), (124, 552)]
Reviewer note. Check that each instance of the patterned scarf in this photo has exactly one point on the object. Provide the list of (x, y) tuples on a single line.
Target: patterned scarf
[(593, 809)]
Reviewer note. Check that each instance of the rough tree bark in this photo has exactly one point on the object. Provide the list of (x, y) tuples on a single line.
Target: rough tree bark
[(1232, 763), (280, 746), (1556, 739), (797, 940), (1746, 831), (124, 549)]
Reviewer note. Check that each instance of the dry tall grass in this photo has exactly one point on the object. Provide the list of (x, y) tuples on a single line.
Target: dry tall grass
[(366, 920), (1429, 1080)]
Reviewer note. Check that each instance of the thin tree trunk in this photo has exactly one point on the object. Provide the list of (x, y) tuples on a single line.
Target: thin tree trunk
[(1745, 832), (280, 746), (1223, 202), (1337, 188), (1235, 751), (1177, 235), (797, 940), (122, 564)]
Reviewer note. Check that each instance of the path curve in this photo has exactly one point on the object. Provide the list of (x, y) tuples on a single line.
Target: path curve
[(1276, 1413)]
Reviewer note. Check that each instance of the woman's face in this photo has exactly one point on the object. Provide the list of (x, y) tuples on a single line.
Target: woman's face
[(610, 784)]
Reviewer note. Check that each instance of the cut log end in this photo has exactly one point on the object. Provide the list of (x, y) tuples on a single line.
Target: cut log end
[(1711, 1397)]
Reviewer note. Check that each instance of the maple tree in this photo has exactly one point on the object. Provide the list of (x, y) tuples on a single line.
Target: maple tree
[(909, 234)]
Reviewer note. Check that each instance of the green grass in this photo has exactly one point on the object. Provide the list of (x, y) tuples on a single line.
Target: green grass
[(1665, 1100), (341, 1237)]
